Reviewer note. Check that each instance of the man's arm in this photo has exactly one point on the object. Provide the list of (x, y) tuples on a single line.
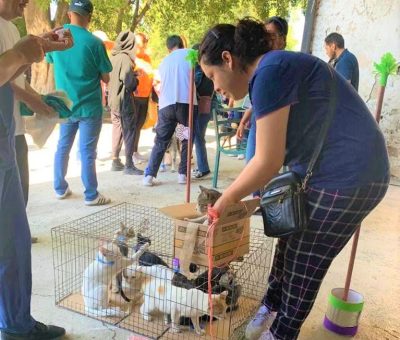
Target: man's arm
[(30, 49), (105, 77), (31, 98), (12, 64)]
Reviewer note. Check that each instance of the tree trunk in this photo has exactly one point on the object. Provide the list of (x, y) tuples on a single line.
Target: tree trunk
[(61, 14), (139, 16), (118, 27), (37, 22)]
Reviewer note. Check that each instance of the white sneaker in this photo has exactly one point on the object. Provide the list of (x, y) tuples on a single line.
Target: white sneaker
[(136, 160), (261, 322), (267, 335), (67, 193), (240, 157), (139, 157), (181, 178), (148, 181), (100, 200), (163, 168)]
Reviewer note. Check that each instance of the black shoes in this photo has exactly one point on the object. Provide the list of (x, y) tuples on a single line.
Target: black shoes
[(117, 165), (39, 332), (132, 170)]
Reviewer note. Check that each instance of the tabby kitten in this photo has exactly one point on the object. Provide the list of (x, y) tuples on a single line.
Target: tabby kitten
[(206, 197)]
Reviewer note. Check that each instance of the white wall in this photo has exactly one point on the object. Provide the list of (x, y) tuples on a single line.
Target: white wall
[(370, 29)]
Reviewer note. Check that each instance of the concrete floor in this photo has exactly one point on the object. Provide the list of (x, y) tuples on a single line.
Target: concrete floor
[(376, 274)]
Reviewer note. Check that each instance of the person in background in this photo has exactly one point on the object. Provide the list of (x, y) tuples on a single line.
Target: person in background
[(142, 93), (16, 321), (173, 108), (205, 91), (277, 29), (292, 95), (122, 83), (23, 92), (82, 85), (342, 59)]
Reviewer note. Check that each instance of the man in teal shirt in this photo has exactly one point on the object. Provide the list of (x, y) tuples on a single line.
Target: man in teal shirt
[(78, 72)]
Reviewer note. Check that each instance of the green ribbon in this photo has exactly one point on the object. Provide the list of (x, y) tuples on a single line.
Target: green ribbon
[(386, 67), (344, 305), (192, 57)]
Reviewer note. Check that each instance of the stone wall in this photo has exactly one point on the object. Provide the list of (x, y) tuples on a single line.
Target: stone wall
[(370, 29)]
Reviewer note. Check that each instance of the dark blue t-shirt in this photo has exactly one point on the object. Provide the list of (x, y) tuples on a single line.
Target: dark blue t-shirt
[(354, 153), (347, 66)]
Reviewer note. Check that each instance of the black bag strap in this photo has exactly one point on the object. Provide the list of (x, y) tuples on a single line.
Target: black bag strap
[(324, 130)]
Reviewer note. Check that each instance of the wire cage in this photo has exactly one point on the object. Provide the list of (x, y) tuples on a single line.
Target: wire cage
[(94, 278)]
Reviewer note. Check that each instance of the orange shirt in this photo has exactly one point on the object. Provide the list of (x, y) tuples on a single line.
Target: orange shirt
[(145, 75)]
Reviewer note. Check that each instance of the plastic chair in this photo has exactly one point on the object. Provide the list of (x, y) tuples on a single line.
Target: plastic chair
[(225, 128)]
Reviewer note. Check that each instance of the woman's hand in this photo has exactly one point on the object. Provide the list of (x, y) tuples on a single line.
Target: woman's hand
[(222, 203), (240, 130)]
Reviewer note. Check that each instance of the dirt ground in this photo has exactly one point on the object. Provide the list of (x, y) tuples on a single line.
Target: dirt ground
[(376, 273)]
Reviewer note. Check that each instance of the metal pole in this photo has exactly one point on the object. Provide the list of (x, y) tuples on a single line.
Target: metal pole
[(190, 141)]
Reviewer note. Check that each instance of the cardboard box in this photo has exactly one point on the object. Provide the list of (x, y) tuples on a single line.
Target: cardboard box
[(231, 234)]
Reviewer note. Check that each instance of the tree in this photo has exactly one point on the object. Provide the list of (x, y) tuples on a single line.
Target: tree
[(192, 18), (158, 18)]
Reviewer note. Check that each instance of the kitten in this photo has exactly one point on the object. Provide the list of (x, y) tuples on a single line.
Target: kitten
[(160, 295), (222, 279), (124, 283), (148, 258), (121, 238), (206, 197), (98, 275)]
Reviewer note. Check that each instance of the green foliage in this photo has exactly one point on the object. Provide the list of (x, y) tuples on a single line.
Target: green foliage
[(20, 23), (106, 15), (192, 18), (188, 18), (387, 67)]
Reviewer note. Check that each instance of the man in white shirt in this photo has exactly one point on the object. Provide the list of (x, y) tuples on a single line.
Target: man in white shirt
[(9, 36), (173, 104)]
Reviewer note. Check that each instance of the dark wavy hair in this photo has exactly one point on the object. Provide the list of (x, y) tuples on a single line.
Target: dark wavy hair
[(280, 23), (246, 41)]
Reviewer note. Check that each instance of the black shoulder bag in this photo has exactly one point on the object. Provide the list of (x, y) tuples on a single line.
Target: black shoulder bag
[(283, 205)]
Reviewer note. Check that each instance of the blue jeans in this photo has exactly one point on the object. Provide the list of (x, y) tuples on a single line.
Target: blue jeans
[(89, 132), (200, 128), (251, 148), (251, 143)]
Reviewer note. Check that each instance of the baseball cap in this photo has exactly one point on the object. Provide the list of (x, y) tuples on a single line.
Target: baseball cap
[(82, 7)]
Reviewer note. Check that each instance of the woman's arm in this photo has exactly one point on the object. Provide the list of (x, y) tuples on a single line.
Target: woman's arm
[(269, 157), (243, 122)]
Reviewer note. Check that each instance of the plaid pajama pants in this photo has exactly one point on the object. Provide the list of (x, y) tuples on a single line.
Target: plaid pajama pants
[(302, 260)]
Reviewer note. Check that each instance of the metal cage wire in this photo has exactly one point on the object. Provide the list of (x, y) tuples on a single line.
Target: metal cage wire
[(76, 244)]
